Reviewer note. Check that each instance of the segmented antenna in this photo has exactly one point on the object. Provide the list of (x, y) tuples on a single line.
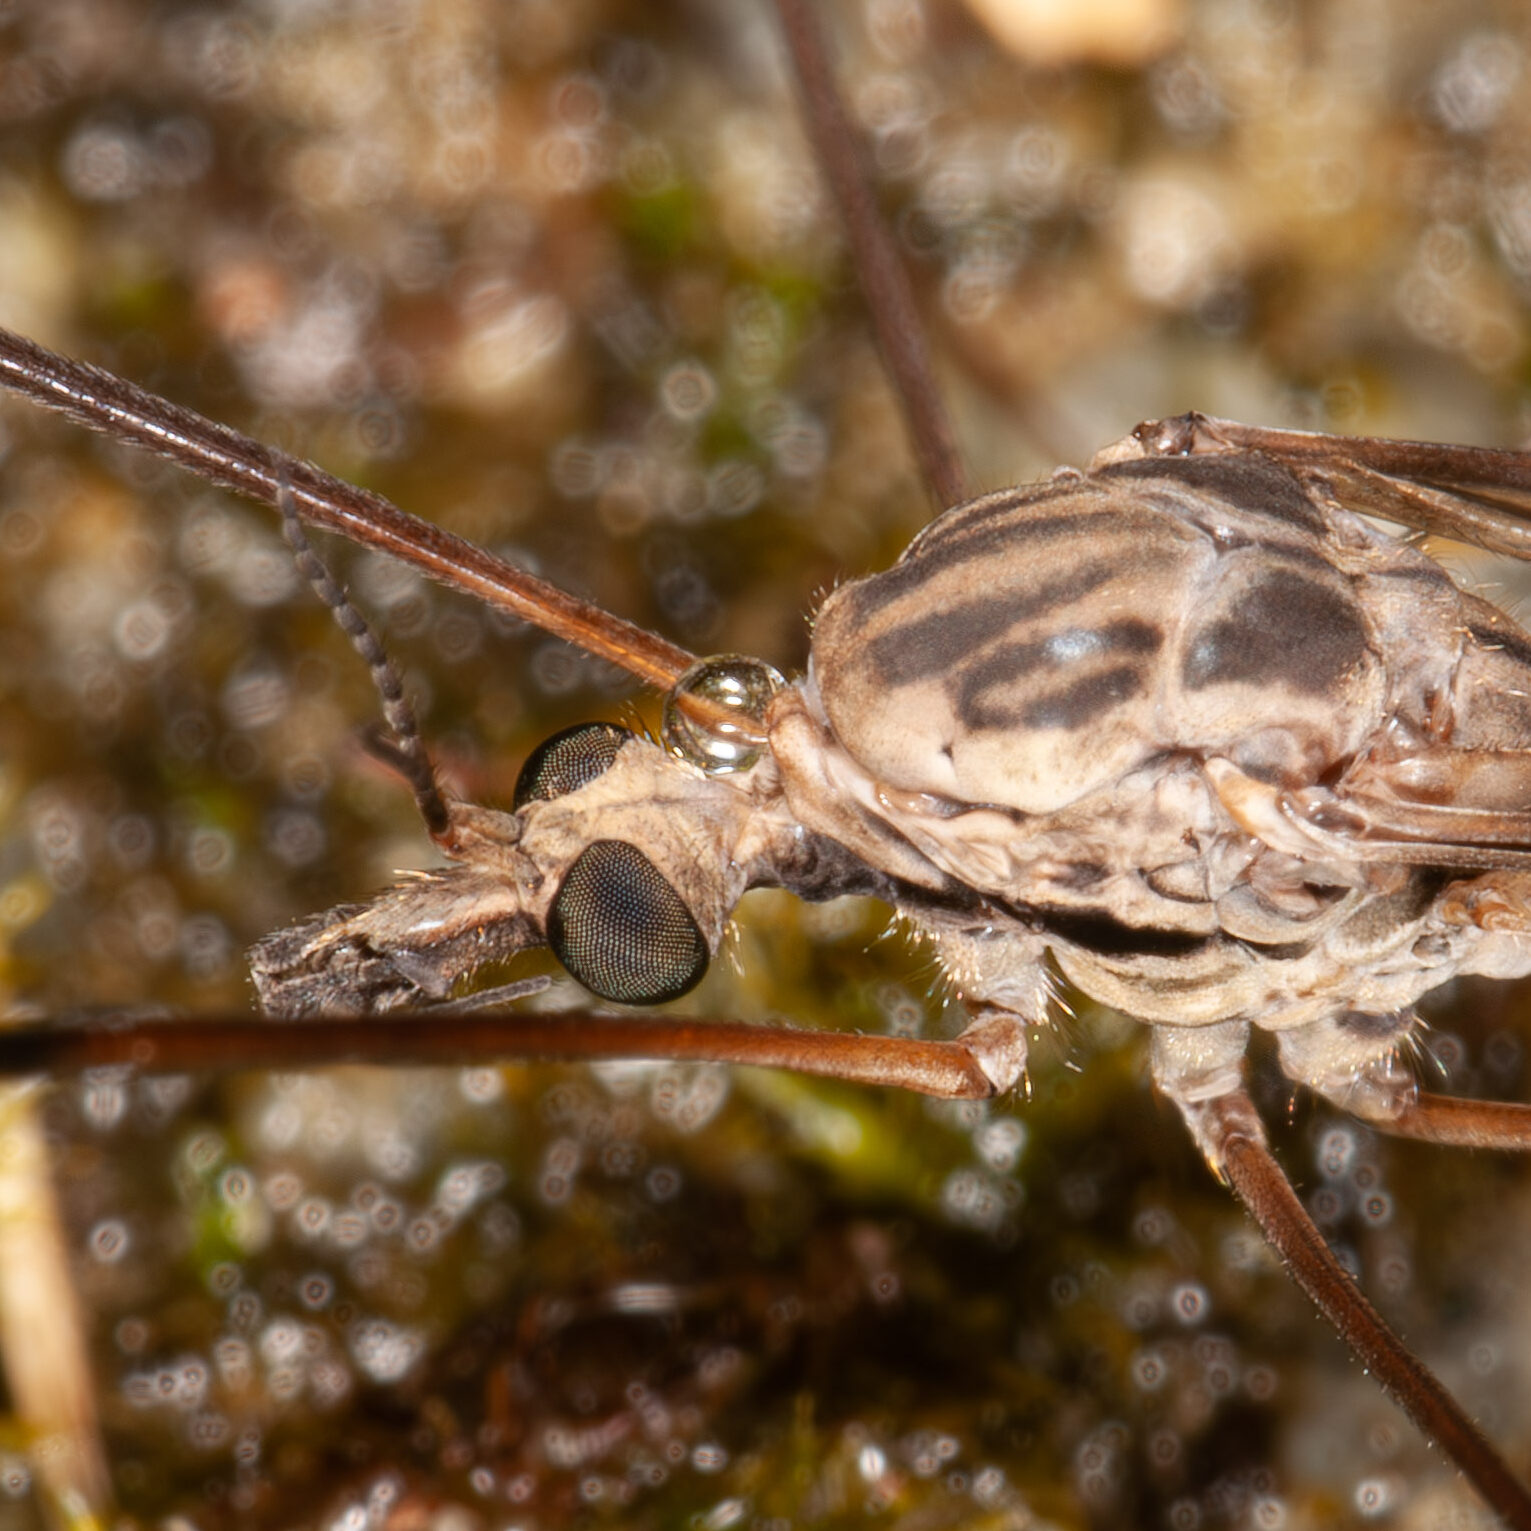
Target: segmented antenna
[(403, 749)]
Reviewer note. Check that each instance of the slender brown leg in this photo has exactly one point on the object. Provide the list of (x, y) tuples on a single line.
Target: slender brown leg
[(223, 456), (890, 301), (1459, 1123), (951, 1070), (1234, 1132)]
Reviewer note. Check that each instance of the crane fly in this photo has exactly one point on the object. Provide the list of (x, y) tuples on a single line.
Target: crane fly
[(700, 461)]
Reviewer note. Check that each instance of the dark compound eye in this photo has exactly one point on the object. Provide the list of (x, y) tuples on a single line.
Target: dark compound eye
[(568, 761), (622, 930)]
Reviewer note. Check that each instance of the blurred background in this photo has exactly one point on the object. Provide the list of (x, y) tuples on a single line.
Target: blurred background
[(560, 276)]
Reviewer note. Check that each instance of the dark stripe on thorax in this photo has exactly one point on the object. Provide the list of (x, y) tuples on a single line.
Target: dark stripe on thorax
[(993, 536), (1287, 630), (946, 639), (993, 691), (1248, 481)]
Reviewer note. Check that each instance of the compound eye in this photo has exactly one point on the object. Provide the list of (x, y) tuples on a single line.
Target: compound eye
[(568, 761), (622, 930)]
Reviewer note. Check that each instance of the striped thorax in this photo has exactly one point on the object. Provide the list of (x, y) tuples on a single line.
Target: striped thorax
[(1167, 719)]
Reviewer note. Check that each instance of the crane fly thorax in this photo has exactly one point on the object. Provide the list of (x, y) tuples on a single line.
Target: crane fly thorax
[(1124, 705), (1040, 644)]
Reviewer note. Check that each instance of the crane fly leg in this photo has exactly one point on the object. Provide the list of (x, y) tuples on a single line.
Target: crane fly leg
[(1232, 1131), (974, 1066), (1382, 1090), (1456, 1123), (890, 298)]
